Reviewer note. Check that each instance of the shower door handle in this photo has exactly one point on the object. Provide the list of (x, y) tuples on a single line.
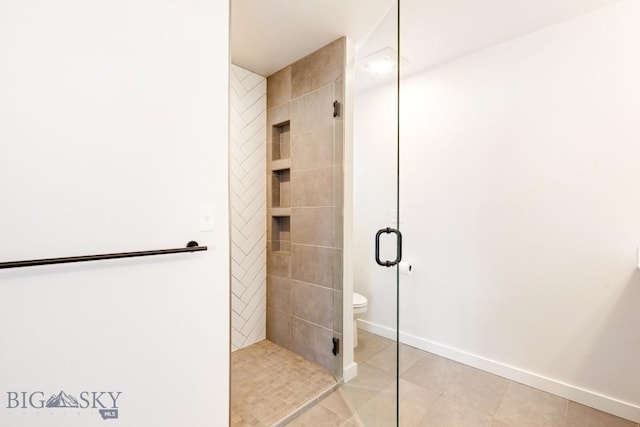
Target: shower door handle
[(389, 230)]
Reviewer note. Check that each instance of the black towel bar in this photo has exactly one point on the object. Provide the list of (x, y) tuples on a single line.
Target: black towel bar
[(191, 247)]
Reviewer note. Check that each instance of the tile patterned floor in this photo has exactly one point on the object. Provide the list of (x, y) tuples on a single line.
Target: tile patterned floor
[(439, 392), (268, 383)]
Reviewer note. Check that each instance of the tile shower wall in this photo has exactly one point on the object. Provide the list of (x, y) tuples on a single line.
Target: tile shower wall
[(304, 242), (248, 101)]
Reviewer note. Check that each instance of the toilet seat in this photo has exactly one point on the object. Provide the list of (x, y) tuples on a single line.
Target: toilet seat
[(359, 300), (359, 303)]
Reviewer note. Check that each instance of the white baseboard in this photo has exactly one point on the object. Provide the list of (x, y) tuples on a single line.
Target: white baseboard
[(350, 372), (586, 397)]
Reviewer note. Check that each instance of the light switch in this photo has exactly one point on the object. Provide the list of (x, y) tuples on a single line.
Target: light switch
[(206, 218)]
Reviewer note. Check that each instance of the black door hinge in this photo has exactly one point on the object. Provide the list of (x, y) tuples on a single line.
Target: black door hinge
[(336, 346), (336, 109)]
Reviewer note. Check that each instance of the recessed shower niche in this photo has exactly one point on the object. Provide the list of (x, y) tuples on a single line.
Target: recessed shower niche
[(281, 234), (281, 188), (281, 141)]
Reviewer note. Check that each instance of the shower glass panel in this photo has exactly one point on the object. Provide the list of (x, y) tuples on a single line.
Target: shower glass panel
[(519, 206), (513, 183), (337, 175), (373, 393)]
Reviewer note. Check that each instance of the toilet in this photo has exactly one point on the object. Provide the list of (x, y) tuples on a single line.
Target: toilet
[(359, 307)]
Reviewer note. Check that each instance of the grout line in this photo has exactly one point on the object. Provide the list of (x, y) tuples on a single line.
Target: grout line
[(291, 99)]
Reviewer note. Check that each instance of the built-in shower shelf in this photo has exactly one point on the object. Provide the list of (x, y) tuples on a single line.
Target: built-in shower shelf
[(281, 235), (281, 252), (275, 212), (280, 164), (281, 188), (280, 141)]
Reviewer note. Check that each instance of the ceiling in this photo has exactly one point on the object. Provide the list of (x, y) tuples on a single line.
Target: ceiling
[(268, 35)]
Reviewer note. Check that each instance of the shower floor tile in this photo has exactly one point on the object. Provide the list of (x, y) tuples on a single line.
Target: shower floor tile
[(269, 383)]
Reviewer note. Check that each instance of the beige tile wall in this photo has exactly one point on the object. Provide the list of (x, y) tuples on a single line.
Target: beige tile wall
[(304, 267)]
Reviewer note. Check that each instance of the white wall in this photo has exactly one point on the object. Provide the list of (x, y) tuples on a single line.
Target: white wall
[(113, 130), (520, 209), (248, 191)]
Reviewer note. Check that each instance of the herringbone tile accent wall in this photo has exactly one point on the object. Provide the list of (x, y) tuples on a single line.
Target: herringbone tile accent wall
[(248, 115)]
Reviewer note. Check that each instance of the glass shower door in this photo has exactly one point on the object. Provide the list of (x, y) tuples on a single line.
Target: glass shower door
[(518, 158), (373, 393)]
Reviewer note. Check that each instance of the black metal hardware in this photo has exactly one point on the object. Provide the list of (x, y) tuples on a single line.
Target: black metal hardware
[(336, 109), (389, 230), (336, 346), (192, 246)]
